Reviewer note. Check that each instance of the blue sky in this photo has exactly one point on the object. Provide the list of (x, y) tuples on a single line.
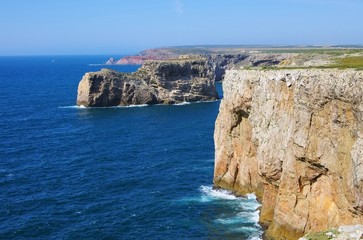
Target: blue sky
[(41, 27)]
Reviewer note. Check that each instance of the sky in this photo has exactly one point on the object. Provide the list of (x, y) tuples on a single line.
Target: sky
[(47, 27)]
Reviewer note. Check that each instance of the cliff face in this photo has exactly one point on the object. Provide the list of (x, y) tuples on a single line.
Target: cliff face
[(295, 138), (223, 62), (155, 82), (219, 62)]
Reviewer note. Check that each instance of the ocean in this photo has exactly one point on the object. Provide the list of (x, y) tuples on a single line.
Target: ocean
[(107, 173)]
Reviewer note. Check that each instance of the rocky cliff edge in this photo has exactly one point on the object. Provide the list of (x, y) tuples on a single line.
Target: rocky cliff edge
[(295, 138), (166, 82)]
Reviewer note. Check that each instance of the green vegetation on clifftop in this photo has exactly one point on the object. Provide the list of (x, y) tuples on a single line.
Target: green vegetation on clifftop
[(325, 235), (350, 62)]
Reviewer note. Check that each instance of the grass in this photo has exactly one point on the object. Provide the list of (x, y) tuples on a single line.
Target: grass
[(335, 52), (322, 235), (349, 62), (340, 63)]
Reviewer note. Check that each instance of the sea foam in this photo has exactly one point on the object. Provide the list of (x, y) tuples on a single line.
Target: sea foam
[(113, 107), (136, 106), (211, 193), (246, 216), (73, 107), (182, 103)]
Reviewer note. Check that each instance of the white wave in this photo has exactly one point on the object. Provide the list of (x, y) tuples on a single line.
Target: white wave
[(74, 107), (209, 101), (251, 196), (255, 238), (139, 105), (252, 217), (231, 220), (196, 102), (113, 107), (245, 213), (208, 194), (250, 205), (241, 218), (182, 103), (187, 103), (131, 106), (246, 229), (217, 193)]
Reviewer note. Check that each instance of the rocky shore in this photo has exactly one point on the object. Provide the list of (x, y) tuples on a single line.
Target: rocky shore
[(183, 79), (156, 82), (295, 138), (289, 129), (219, 62)]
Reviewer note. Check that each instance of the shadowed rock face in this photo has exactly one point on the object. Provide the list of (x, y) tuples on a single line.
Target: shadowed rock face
[(219, 62), (223, 62), (295, 138), (155, 82)]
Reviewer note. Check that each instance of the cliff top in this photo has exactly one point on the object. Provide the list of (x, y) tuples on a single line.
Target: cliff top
[(321, 61), (311, 57), (237, 49), (180, 59), (257, 56)]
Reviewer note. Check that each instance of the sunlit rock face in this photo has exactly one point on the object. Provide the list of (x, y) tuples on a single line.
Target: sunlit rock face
[(295, 138), (156, 82)]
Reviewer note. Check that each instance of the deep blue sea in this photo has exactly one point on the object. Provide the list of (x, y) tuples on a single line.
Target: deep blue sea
[(107, 173)]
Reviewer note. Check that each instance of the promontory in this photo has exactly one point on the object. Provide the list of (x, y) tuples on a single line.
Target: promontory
[(295, 138), (156, 82)]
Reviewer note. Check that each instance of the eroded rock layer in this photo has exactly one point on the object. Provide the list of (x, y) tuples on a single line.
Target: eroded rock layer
[(295, 138), (168, 82)]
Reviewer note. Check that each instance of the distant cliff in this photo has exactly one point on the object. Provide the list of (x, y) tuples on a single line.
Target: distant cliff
[(219, 62), (165, 82), (131, 60), (223, 62), (295, 138)]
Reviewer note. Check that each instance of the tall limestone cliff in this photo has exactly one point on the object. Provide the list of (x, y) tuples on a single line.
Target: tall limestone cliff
[(169, 82), (295, 138)]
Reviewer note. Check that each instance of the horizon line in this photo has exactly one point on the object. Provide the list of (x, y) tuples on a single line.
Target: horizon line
[(246, 46)]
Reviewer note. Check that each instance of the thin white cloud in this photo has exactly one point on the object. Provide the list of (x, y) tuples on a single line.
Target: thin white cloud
[(179, 7)]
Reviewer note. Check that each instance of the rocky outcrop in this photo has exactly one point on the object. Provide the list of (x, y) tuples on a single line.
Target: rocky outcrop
[(155, 82), (295, 138), (219, 62), (223, 62), (133, 60), (111, 61), (350, 232)]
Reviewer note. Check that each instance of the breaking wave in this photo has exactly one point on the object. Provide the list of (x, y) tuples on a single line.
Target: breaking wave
[(83, 107), (242, 216)]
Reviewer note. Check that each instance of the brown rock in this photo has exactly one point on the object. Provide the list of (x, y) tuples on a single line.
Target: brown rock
[(167, 82), (131, 60), (295, 138)]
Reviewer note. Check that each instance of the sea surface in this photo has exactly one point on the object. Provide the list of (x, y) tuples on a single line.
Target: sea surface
[(107, 173)]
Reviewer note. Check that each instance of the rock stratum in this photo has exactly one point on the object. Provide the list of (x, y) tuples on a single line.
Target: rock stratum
[(219, 62), (295, 138), (165, 82)]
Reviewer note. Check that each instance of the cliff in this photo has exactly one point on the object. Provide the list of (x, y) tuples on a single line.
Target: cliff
[(223, 62), (155, 82), (131, 60), (219, 62), (295, 138)]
